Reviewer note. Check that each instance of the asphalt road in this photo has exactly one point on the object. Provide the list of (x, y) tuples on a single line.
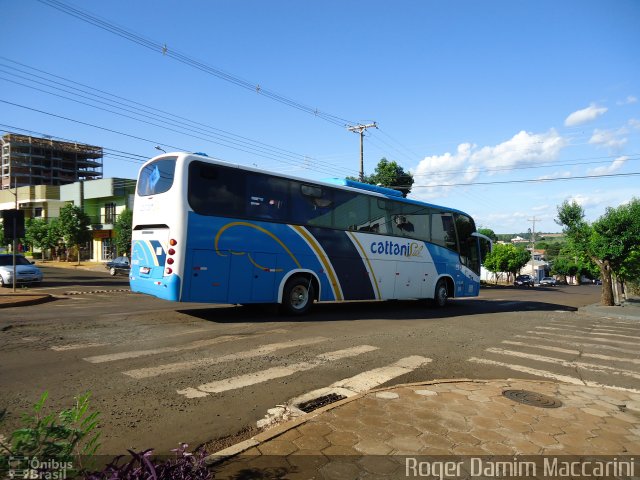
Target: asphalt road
[(162, 373)]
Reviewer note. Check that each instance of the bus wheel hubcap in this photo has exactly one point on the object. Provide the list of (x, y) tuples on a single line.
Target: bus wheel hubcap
[(299, 296)]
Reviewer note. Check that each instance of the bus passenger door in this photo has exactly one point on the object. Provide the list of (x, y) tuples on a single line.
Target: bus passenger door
[(208, 276)]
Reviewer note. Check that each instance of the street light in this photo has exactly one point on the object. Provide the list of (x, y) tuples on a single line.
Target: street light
[(161, 149)]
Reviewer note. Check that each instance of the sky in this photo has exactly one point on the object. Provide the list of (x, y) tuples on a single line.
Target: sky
[(498, 108)]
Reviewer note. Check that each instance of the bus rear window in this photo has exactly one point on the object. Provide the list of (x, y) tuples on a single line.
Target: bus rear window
[(157, 177)]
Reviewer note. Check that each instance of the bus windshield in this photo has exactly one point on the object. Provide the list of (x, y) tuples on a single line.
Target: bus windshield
[(157, 177)]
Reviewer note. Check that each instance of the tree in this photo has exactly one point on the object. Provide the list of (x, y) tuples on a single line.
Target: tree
[(506, 258), (609, 242), (74, 227), (122, 229), (391, 175), (42, 234)]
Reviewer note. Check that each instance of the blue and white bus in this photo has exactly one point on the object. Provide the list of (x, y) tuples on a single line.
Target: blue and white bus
[(205, 230)]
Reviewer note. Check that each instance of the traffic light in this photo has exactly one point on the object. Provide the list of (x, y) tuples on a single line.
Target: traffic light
[(13, 223)]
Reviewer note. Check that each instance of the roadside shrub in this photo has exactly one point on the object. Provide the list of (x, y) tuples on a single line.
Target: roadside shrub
[(58, 438), (142, 465)]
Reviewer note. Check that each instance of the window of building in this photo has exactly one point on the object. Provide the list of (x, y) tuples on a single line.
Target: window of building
[(110, 213)]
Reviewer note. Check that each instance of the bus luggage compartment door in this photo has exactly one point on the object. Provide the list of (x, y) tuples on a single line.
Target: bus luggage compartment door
[(208, 276)]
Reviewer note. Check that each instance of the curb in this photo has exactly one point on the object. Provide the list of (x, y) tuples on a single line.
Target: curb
[(29, 299), (229, 452), (615, 311)]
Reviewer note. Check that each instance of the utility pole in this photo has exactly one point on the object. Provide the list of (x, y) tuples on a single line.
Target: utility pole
[(533, 246), (361, 129)]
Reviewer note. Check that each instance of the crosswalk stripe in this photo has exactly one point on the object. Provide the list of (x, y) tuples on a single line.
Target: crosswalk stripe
[(178, 348), (348, 387), (591, 332), (205, 362), (76, 346), (635, 361), (597, 326), (582, 338), (372, 378), (241, 381), (546, 374), (154, 351), (581, 344), (558, 361)]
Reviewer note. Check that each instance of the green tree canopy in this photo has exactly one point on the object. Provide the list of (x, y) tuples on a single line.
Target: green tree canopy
[(609, 242), (390, 174), (506, 258), (122, 229), (74, 226), (42, 234)]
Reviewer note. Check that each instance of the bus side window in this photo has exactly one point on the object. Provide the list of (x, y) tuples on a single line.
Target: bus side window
[(351, 210), (311, 205), (215, 190), (267, 197), (443, 231)]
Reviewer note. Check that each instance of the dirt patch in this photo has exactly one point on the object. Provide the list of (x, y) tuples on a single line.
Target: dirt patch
[(221, 443)]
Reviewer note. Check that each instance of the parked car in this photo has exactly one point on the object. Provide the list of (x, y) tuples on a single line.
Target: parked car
[(549, 281), (26, 271), (119, 265), (524, 281)]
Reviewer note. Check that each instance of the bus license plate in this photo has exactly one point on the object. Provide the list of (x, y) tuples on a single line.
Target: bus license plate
[(145, 269)]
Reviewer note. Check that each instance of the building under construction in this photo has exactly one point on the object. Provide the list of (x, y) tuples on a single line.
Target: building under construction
[(28, 161)]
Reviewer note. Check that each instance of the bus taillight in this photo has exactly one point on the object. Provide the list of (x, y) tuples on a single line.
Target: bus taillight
[(173, 242), (168, 271), (171, 251), (170, 261)]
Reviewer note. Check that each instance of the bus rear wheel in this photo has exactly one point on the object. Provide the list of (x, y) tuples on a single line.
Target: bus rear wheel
[(441, 294), (298, 295)]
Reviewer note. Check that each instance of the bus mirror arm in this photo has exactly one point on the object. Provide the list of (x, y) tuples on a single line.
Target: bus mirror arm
[(484, 237)]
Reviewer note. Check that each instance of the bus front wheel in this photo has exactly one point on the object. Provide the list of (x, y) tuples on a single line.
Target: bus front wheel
[(297, 296), (441, 293)]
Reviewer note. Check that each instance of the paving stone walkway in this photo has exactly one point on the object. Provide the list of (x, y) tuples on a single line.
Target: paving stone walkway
[(373, 435)]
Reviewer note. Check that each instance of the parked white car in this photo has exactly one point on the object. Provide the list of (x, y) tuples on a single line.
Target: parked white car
[(549, 281), (26, 272)]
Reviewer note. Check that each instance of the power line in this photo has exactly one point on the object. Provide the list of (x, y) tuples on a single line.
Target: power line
[(154, 142), (532, 180), (160, 118), (192, 62)]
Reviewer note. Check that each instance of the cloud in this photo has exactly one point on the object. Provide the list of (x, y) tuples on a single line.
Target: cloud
[(617, 164), (565, 174), (628, 101), (435, 173), (585, 115), (613, 139)]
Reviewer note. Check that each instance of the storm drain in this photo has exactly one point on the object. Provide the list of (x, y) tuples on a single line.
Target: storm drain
[(532, 398), (316, 403)]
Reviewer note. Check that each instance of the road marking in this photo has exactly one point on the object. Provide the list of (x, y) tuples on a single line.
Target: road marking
[(205, 362), (179, 348), (546, 374), (591, 332), (558, 361), (76, 346), (254, 378), (347, 387), (372, 378), (575, 344), (635, 361), (582, 338)]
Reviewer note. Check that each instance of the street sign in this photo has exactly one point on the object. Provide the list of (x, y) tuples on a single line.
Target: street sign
[(13, 223)]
